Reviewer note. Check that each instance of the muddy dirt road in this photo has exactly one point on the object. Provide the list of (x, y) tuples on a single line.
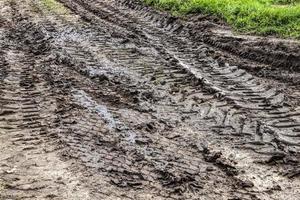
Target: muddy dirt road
[(113, 100)]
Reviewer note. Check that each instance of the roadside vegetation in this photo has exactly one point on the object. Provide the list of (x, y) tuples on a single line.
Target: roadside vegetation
[(54, 6), (262, 17)]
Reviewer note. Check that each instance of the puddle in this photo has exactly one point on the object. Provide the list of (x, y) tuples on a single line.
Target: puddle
[(87, 102), (104, 67), (68, 35), (81, 46)]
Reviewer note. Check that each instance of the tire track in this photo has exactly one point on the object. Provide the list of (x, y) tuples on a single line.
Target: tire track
[(30, 167), (235, 85)]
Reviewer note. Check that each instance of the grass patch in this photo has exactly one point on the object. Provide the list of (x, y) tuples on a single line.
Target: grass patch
[(262, 17), (55, 6)]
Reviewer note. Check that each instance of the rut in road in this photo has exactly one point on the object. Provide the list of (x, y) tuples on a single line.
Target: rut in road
[(113, 100)]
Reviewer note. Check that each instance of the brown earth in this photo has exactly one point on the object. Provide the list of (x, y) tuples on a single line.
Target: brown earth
[(114, 100)]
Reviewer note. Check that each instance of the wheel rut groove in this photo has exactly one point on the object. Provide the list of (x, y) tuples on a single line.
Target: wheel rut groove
[(262, 98)]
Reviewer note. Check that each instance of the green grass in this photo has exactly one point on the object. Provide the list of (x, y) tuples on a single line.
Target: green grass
[(54, 6), (262, 17)]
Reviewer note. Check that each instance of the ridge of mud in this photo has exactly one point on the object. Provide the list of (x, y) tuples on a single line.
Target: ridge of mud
[(104, 15), (277, 53)]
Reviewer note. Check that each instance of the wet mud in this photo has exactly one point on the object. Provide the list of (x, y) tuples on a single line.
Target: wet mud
[(114, 100)]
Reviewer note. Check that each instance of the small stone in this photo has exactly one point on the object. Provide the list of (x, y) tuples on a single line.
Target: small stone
[(210, 169)]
